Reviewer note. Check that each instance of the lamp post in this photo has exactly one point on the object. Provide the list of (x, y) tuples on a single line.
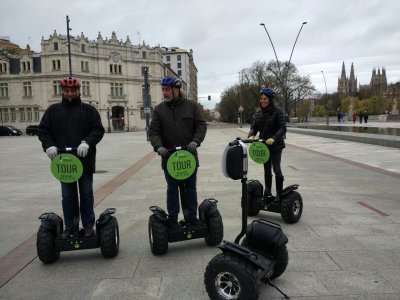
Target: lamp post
[(326, 93), (284, 88)]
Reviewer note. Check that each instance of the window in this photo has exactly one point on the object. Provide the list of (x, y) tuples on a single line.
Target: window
[(115, 69), (116, 90), (179, 73), (26, 66), (3, 90), (13, 115), (22, 114), (168, 58), (56, 64), (29, 114), (84, 66), (144, 55), (178, 58), (85, 88), (83, 48), (3, 67), (4, 117), (27, 86), (179, 65), (55, 46), (56, 87), (36, 114)]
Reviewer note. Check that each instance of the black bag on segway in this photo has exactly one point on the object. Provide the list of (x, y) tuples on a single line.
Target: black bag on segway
[(265, 237), (234, 160)]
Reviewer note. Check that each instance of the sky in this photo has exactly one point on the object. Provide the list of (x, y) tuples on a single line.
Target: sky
[(226, 35)]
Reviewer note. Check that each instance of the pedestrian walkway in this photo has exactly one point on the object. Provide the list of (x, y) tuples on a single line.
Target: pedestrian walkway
[(346, 245)]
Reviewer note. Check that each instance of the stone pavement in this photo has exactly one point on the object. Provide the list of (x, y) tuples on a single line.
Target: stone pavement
[(346, 245)]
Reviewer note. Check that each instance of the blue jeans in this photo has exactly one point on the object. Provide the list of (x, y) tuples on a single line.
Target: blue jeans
[(189, 185), (85, 184)]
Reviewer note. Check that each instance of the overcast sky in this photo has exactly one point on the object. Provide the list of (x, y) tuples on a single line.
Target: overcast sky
[(226, 35)]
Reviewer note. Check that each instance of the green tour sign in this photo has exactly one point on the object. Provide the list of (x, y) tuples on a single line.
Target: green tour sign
[(259, 152), (66, 168), (181, 164)]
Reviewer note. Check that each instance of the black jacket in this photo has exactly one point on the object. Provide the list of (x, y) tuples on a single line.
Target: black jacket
[(176, 124), (271, 123), (67, 123)]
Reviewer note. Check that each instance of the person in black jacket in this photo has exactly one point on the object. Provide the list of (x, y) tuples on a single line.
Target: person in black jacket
[(270, 122), (177, 122), (72, 123)]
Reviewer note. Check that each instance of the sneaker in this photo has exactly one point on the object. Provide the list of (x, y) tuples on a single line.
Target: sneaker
[(66, 233), (88, 231), (173, 224)]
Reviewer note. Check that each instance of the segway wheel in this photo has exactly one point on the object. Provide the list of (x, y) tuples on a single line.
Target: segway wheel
[(229, 276), (215, 230), (282, 260), (158, 235), (109, 238), (254, 194), (45, 245), (292, 207), (281, 256)]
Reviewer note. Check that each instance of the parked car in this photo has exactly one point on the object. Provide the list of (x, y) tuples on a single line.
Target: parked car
[(32, 130), (9, 130)]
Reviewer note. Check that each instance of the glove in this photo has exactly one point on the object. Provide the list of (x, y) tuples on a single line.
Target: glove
[(163, 151), (252, 137), (82, 150), (51, 152), (270, 141), (192, 147)]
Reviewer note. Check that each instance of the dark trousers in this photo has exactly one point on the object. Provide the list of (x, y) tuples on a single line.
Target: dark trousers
[(274, 162), (85, 184), (190, 194)]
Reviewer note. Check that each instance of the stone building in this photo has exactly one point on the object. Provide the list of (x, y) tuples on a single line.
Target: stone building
[(111, 72), (347, 85)]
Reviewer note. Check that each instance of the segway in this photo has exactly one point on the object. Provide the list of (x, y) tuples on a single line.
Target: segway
[(237, 272), (289, 203), (67, 168), (181, 165)]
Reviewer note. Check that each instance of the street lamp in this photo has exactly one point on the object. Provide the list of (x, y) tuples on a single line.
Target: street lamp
[(279, 69), (326, 93)]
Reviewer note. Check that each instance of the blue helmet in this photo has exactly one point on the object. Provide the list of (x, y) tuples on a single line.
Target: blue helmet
[(267, 92), (171, 81)]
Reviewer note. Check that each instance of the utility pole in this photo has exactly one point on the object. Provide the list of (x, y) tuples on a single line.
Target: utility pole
[(327, 106), (146, 100), (69, 47)]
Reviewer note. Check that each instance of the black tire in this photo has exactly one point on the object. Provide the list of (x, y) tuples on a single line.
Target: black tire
[(282, 260), (109, 238), (45, 246), (158, 235), (229, 276), (254, 194), (292, 207), (215, 229), (281, 256)]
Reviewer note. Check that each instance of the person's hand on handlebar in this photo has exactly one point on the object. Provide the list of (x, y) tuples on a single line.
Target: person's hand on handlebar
[(51, 152), (270, 141), (192, 146), (163, 151), (83, 149)]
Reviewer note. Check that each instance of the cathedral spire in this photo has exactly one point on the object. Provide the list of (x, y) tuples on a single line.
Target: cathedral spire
[(352, 77), (343, 76)]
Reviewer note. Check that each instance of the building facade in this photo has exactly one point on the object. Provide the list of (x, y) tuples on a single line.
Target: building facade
[(111, 72), (347, 85)]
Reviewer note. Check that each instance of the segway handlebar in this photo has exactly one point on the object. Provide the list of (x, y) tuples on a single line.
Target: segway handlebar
[(246, 141), (177, 148), (67, 149)]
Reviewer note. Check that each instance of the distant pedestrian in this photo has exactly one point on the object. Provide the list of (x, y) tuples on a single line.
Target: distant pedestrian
[(360, 115), (365, 117), (354, 117)]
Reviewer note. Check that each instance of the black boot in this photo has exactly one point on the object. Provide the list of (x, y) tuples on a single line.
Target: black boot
[(275, 205), (279, 185), (268, 185)]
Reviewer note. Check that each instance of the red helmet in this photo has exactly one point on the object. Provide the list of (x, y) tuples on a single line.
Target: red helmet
[(71, 82)]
